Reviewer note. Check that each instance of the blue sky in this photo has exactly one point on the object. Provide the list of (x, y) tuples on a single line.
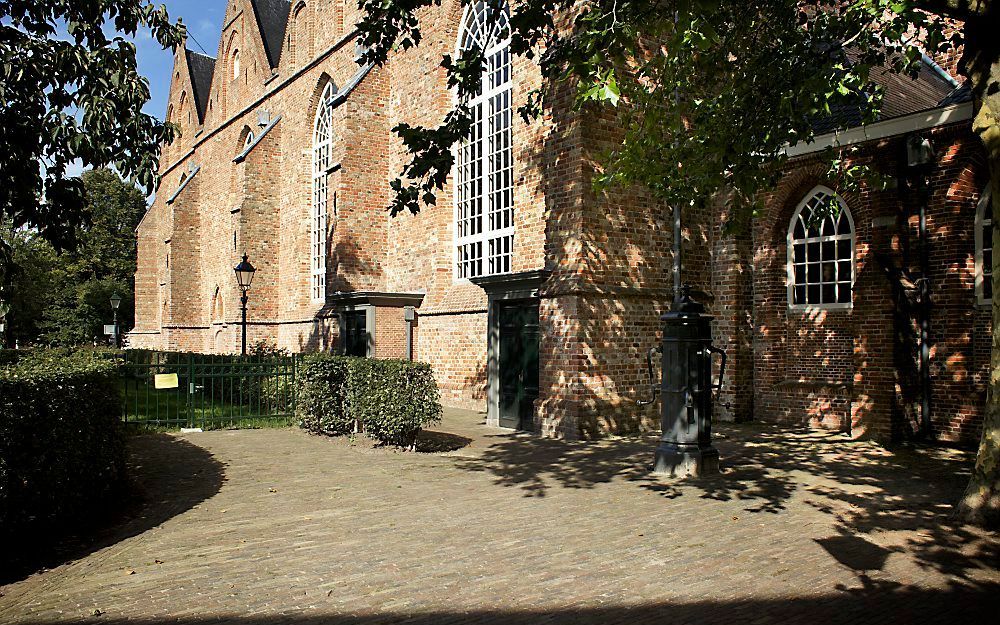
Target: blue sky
[(203, 19)]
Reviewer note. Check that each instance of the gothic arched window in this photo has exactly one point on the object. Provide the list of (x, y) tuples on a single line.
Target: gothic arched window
[(236, 63), (322, 144), (820, 252), (984, 248), (484, 193)]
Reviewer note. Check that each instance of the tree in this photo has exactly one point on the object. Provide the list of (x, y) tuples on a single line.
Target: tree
[(28, 286), (709, 94), (64, 299), (981, 64), (102, 264), (70, 92)]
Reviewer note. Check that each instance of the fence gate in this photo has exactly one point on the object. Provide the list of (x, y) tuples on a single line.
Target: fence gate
[(170, 389)]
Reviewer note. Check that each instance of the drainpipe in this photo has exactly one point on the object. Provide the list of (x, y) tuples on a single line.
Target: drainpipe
[(925, 314), (409, 315), (920, 161)]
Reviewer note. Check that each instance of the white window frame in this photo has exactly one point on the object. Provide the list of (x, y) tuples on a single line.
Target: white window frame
[(790, 251), (322, 159), (485, 234), (983, 215)]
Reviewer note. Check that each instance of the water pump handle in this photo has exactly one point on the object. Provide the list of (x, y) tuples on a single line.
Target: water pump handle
[(722, 365), (654, 388)]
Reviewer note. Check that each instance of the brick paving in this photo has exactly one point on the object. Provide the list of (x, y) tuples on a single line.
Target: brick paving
[(279, 526)]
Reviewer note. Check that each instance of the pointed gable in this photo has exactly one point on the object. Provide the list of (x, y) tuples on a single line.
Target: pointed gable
[(272, 19), (201, 68)]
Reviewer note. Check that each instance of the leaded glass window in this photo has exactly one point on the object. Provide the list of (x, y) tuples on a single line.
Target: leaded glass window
[(821, 252), (484, 197), (984, 248), (322, 144)]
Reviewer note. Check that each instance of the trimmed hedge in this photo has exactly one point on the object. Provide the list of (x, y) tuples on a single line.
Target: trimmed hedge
[(62, 444), (8, 357), (391, 400), (321, 382)]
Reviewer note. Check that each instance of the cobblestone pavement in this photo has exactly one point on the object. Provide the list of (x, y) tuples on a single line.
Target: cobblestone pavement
[(279, 526)]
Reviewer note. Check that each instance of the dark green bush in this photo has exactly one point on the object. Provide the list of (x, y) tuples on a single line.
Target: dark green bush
[(392, 400), (62, 445), (8, 357), (322, 393)]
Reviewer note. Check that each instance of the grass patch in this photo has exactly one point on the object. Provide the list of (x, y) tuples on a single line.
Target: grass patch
[(148, 409)]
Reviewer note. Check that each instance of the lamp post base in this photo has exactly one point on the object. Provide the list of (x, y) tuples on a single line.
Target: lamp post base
[(686, 460)]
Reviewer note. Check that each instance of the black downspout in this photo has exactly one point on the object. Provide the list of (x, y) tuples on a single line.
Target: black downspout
[(925, 312)]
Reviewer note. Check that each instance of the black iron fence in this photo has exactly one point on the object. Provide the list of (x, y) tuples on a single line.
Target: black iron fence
[(172, 389)]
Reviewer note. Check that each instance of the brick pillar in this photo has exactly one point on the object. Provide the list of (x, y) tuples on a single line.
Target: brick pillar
[(732, 286)]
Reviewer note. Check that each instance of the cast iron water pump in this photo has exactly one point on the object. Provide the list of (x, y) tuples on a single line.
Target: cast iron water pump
[(686, 385)]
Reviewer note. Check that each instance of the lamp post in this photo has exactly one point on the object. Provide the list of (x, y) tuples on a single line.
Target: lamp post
[(244, 276), (116, 301)]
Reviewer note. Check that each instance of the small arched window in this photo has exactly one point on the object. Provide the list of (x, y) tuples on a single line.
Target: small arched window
[(984, 247), (297, 36), (484, 194), (322, 145), (236, 63), (183, 113), (249, 139), (218, 306), (821, 252)]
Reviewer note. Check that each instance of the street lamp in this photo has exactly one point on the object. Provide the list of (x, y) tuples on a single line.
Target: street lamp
[(244, 276), (116, 301)]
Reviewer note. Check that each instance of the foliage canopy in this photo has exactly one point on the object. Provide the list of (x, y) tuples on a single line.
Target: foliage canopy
[(710, 93), (70, 92)]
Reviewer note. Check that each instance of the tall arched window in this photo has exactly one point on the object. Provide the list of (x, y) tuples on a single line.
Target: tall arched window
[(820, 253), (984, 248), (322, 143), (484, 198)]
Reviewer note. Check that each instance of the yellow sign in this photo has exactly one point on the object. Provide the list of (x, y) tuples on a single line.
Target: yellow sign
[(165, 380)]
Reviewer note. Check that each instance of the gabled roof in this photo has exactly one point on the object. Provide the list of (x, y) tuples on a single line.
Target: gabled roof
[(902, 96), (272, 19), (201, 68)]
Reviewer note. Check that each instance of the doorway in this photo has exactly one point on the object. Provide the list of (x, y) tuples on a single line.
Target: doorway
[(518, 364)]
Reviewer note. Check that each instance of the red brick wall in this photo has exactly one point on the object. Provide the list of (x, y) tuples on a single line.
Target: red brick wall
[(836, 368), (609, 253)]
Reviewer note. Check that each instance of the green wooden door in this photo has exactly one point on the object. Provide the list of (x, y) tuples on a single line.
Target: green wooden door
[(518, 364)]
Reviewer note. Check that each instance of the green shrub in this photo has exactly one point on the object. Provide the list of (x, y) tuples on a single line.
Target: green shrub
[(62, 445), (322, 392), (392, 399), (8, 357)]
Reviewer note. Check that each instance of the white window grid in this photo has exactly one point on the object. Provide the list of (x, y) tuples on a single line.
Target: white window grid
[(821, 256), (322, 147), (984, 248), (484, 196)]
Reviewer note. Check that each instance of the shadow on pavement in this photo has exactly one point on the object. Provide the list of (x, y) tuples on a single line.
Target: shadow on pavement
[(864, 489), (955, 605), (167, 476)]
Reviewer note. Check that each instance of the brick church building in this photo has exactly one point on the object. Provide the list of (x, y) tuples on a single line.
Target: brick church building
[(533, 297)]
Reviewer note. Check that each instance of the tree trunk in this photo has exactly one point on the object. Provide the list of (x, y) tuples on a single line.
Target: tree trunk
[(981, 64)]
